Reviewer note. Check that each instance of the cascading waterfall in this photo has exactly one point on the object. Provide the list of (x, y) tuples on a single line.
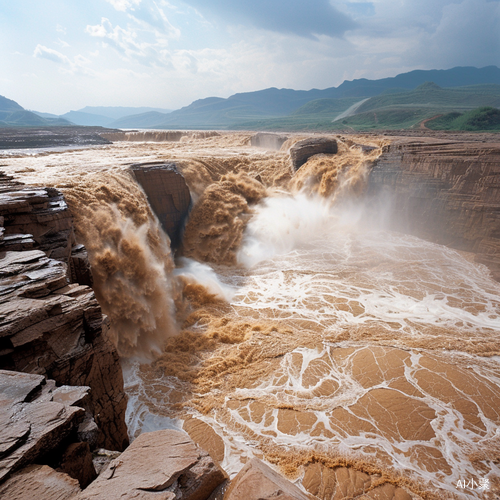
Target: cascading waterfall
[(305, 332)]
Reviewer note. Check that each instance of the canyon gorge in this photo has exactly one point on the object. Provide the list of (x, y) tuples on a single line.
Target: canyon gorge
[(194, 315)]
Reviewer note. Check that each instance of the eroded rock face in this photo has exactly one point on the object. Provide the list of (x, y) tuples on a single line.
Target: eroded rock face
[(301, 151), (163, 464), (446, 192), (39, 482), (32, 420), (257, 481), (268, 140), (168, 196), (49, 325)]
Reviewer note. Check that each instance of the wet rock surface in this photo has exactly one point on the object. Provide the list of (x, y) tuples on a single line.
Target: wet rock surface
[(444, 191), (49, 325), (39, 482), (163, 464), (32, 421), (205, 437), (167, 194), (257, 481), (301, 151), (267, 140)]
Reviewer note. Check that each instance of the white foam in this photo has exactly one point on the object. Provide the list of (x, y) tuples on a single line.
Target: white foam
[(281, 224), (140, 416), (202, 274)]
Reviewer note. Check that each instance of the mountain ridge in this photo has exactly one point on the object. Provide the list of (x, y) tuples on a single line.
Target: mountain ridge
[(247, 107)]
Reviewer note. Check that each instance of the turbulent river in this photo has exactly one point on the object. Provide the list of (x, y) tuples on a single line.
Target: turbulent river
[(294, 326)]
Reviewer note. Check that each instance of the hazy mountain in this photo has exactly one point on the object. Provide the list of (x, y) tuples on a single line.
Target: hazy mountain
[(150, 119), (454, 77), (9, 104), (44, 115), (14, 115), (105, 116), (117, 112), (88, 119), (273, 103)]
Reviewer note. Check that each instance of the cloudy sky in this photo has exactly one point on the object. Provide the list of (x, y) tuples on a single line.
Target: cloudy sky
[(58, 55)]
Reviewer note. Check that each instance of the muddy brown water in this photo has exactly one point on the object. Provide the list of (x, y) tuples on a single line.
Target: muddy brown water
[(296, 324)]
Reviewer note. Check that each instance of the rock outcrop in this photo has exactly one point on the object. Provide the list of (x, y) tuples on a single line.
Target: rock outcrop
[(48, 325), (446, 192), (163, 464), (257, 481), (33, 422), (301, 151), (268, 140), (168, 196)]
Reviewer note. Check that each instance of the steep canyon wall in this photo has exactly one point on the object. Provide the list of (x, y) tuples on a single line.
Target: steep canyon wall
[(444, 191), (50, 324)]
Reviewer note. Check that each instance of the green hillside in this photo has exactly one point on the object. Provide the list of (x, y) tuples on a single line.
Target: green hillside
[(480, 119), (327, 107), (430, 95), (394, 109)]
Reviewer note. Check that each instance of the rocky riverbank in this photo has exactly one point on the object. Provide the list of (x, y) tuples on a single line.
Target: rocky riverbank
[(445, 191), (61, 381)]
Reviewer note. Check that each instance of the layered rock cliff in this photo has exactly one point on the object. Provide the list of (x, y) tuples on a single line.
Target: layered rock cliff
[(168, 196), (444, 191), (50, 324)]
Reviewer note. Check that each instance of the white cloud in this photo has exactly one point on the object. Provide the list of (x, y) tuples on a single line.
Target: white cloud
[(145, 39), (468, 34), (171, 52), (124, 5), (79, 64), (62, 43), (51, 54)]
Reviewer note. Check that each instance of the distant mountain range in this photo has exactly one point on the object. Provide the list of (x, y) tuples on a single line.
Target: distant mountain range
[(112, 116), (417, 93), (14, 115), (250, 108)]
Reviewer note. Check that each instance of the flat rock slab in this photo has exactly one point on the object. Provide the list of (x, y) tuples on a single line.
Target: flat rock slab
[(257, 481), (31, 423), (163, 465), (301, 151), (39, 482)]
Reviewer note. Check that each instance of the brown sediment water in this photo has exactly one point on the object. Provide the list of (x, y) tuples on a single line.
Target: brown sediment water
[(306, 332), (130, 258)]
